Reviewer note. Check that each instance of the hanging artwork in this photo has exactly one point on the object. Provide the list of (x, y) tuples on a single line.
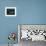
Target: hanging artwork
[(10, 11)]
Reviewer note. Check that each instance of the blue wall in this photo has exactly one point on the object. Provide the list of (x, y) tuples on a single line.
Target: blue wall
[(28, 12), (32, 11)]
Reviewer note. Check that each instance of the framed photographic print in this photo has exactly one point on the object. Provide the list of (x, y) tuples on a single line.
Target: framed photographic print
[(10, 11)]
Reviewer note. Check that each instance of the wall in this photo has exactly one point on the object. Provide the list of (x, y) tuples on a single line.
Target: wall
[(28, 12), (7, 24), (32, 11)]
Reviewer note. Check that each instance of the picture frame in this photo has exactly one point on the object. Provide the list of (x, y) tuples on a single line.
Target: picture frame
[(10, 11)]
